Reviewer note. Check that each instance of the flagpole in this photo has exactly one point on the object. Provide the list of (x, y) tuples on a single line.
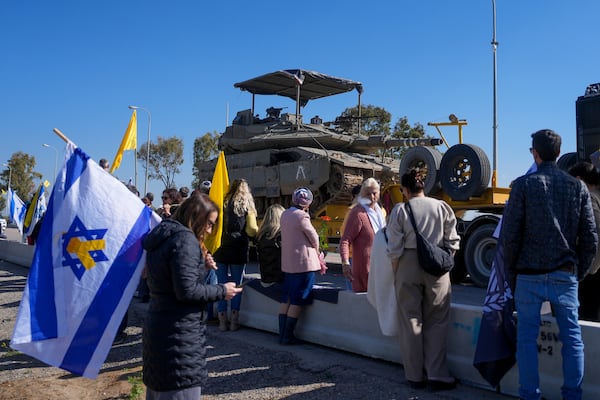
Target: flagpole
[(147, 145), (495, 95), (135, 166), (61, 135)]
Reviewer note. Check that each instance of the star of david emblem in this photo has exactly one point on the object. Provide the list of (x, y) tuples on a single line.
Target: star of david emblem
[(82, 247)]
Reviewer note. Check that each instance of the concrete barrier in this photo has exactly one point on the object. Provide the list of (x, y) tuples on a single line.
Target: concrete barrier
[(351, 325), (16, 253)]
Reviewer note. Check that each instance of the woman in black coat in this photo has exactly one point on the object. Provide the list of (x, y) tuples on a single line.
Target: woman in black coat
[(174, 351), (268, 246)]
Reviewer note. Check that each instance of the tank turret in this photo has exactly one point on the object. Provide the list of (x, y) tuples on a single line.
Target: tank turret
[(279, 153)]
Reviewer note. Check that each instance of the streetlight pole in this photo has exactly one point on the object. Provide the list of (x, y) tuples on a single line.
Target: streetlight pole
[(55, 159), (147, 145), (7, 165), (495, 124)]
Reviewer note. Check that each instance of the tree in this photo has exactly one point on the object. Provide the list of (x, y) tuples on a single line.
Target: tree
[(166, 156), (402, 129), (205, 148), (373, 120), (21, 175)]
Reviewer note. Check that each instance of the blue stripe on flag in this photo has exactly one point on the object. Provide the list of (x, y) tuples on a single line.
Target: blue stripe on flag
[(41, 284), (107, 298), (76, 164)]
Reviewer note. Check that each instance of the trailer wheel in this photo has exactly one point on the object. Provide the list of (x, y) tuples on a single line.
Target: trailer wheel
[(566, 161), (427, 160), (479, 254), (464, 172)]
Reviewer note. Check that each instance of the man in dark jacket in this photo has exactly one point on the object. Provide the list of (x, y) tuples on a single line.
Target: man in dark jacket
[(549, 237)]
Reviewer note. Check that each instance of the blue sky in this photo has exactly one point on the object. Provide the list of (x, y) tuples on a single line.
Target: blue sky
[(77, 65)]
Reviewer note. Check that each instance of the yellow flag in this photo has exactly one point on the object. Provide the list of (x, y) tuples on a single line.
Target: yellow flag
[(129, 141), (218, 190)]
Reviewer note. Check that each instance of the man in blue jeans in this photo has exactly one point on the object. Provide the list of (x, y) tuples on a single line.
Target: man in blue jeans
[(549, 236)]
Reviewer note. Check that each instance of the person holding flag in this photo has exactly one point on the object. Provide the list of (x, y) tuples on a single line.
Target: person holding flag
[(559, 205), (217, 194), (174, 335)]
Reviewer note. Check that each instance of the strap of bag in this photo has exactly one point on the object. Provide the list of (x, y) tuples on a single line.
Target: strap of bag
[(412, 218)]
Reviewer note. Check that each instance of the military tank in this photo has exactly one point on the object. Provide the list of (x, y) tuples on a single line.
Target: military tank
[(281, 152)]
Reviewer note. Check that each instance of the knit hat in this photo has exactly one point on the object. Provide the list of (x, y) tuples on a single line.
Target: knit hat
[(205, 186), (302, 197)]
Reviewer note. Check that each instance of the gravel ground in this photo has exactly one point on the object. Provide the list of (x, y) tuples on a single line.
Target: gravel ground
[(247, 364)]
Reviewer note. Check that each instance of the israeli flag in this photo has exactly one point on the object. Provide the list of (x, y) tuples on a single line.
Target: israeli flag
[(17, 209), (85, 269)]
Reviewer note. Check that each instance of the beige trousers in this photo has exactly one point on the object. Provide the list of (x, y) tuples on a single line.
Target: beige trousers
[(424, 316)]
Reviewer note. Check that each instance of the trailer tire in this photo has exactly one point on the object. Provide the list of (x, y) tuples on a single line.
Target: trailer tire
[(479, 254), (464, 171), (425, 159), (566, 161)]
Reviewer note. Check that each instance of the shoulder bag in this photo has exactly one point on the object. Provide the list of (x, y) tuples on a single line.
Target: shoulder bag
[(433, 259)]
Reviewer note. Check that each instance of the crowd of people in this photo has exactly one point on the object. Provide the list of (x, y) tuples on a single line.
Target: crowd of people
[(549, 236)]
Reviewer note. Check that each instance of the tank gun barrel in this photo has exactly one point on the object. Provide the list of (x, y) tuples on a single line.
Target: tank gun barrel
[(386, 142)]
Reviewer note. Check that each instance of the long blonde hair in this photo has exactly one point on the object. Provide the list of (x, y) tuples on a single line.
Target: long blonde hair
[(240, 197), (271, 223)]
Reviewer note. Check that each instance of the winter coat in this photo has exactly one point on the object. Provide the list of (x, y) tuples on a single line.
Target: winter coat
[(173, 341), (299, 243)]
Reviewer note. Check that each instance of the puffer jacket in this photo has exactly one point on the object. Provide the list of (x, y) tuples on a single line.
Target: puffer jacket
[(173, 341), (269, 258)]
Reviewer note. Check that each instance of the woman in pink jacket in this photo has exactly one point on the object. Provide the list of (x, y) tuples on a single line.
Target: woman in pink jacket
[(299, 261)]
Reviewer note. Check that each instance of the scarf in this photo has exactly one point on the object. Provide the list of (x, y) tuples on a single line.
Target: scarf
[(375, 214)]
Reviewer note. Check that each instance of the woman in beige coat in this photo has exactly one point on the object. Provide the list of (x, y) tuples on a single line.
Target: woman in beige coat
[(423, 299)]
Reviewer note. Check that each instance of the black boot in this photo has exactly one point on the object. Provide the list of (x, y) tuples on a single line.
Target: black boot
[(282, 321), (288, 334)]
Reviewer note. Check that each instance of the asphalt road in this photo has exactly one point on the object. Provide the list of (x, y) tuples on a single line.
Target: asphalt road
[(247, 364)]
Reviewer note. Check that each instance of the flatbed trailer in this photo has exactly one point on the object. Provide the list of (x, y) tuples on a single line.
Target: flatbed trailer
[(477, 218)]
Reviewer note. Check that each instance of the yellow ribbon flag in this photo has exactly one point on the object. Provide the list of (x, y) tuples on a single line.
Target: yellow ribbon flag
[(129, 141), (218, 190)]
